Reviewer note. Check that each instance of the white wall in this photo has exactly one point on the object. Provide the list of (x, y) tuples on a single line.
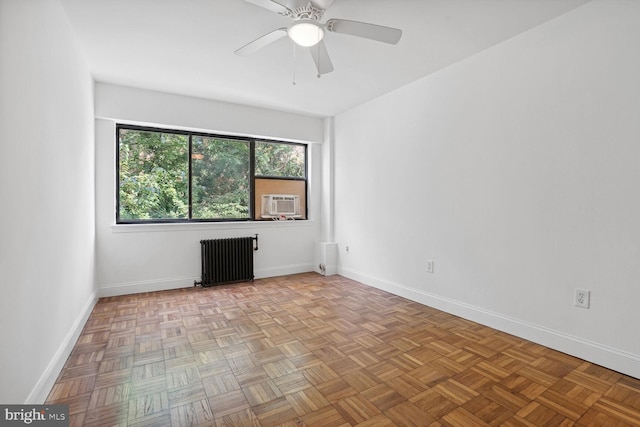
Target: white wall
[(517, 172), (139, 258), (47, 267), (126, 104)]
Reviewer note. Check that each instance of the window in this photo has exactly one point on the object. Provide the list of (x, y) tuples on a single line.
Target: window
[(177, 176), (154, 171), (280, 160), (220, 183), (280, 182)]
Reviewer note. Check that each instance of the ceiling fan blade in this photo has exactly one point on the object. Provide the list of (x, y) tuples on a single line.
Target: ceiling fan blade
[(367, 31), (321, 58), (272, 5), (323, 4), (261, 42)]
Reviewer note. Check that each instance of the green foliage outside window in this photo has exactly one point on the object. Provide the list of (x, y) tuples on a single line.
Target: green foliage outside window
[(281, 160), (220, 178), (153, 175)]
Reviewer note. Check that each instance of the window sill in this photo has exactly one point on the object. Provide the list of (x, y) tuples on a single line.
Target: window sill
[(169, 227)]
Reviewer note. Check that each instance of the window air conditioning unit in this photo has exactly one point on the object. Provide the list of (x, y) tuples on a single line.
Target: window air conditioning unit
[(278, 205)]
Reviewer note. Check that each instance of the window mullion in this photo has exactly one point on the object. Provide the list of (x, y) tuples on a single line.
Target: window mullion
[(252, 179), (190, 179)]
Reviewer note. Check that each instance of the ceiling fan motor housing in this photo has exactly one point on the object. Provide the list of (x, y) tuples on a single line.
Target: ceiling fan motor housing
[(305, 12)]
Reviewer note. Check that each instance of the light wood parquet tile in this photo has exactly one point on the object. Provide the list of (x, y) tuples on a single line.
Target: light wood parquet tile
[(308, 350)]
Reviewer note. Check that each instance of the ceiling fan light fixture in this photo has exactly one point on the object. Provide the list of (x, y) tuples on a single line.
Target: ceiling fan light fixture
[(306, 32)]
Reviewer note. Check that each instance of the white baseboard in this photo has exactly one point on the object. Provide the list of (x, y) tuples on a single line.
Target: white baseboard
[(600, 354), (111, 290), (48, 378), (283, 270)]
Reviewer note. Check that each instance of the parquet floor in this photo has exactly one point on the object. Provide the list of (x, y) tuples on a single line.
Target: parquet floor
[(308, 350)]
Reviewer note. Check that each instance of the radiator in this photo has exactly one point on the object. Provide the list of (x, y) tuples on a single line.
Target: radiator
[(227, 260)]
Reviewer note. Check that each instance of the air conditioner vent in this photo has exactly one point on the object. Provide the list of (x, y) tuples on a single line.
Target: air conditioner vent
[(277, 205)]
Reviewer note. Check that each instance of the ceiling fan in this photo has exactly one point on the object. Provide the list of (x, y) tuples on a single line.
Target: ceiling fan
[(306, 29)]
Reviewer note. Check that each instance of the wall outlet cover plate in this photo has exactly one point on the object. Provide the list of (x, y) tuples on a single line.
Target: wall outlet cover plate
[(582, 298)]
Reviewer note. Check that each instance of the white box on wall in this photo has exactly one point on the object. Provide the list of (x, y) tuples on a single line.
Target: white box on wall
[(326, 258)]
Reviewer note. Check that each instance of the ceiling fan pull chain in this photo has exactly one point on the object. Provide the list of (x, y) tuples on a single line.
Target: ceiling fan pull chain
[(294, 63)]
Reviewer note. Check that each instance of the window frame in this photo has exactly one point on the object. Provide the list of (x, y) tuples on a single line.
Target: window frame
[(252, 175)]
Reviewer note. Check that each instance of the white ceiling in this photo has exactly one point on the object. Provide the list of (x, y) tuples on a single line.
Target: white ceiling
[(187, 46)]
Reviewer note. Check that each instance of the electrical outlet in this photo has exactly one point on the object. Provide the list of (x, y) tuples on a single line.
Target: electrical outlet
[(582, 298), (430, 266), (346, 249)]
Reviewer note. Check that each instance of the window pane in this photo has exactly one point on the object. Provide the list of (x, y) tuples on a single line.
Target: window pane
[(220, 181), (283, 160), (153, 175)]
